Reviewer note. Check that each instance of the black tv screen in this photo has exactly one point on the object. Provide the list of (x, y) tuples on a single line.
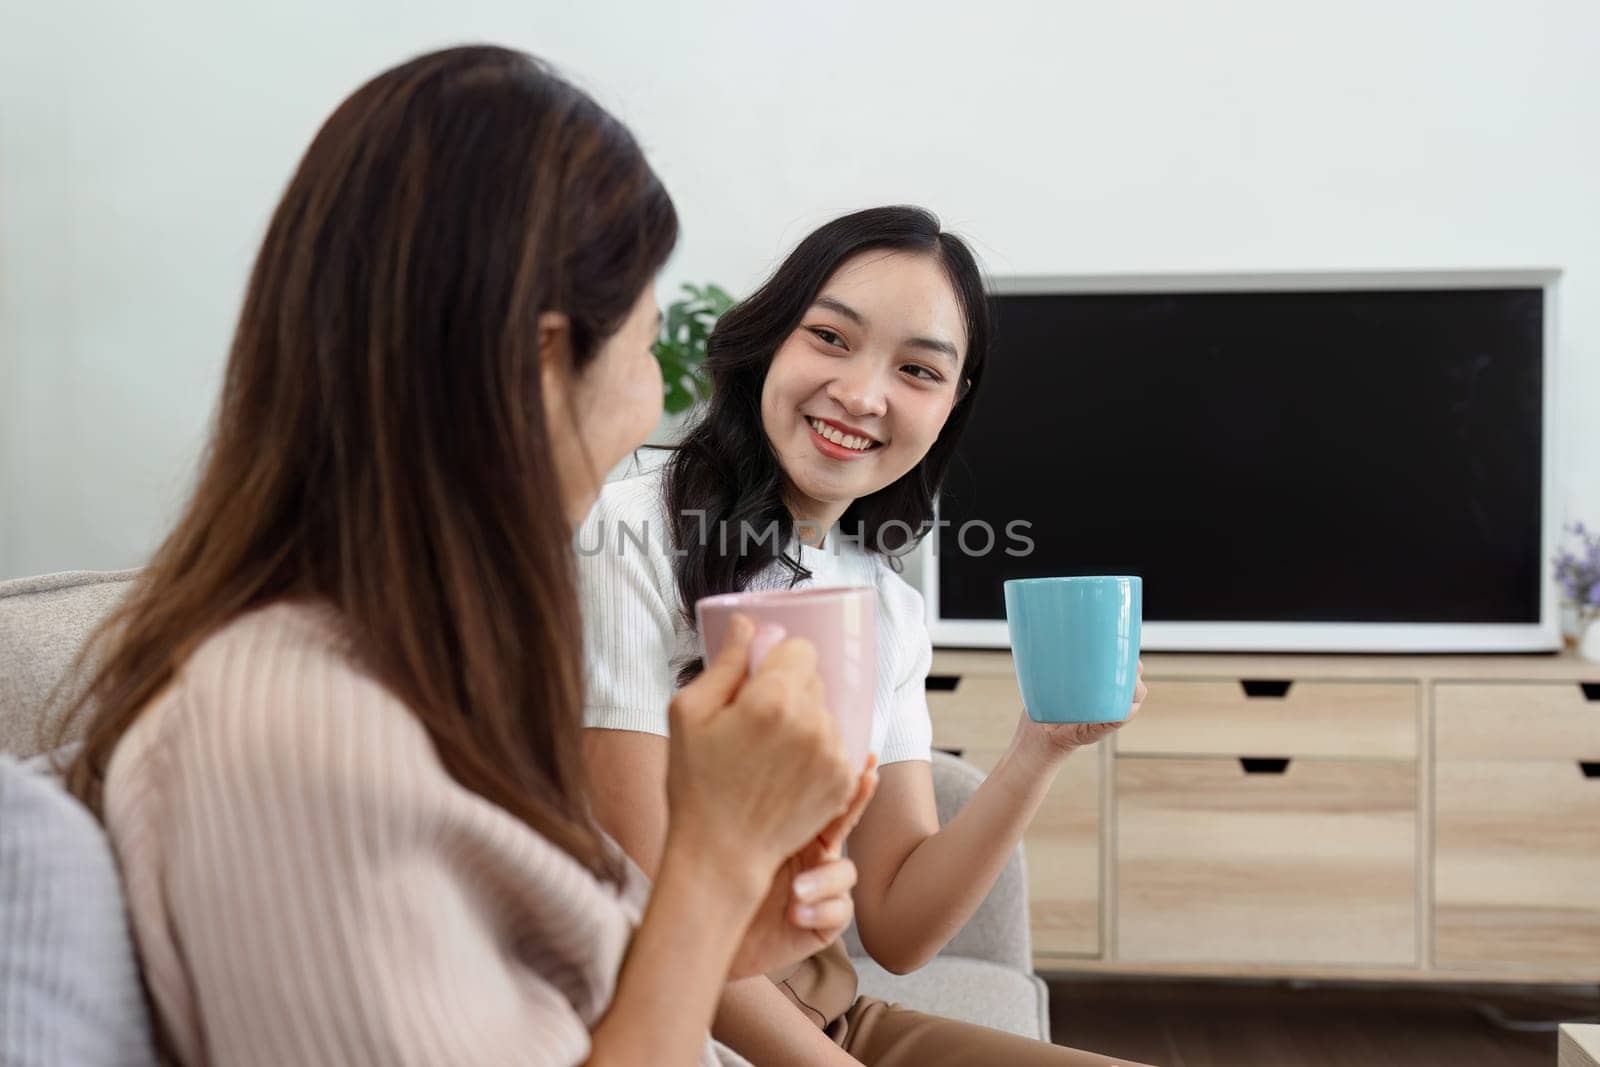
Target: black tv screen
[(1308, 456)]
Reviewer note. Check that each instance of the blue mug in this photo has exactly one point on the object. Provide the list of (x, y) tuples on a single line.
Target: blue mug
[(1076, 645)]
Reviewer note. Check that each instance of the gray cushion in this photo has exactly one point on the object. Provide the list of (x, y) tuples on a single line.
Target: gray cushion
[(44, 621), (998, 931), (970, 991), (69, 986)]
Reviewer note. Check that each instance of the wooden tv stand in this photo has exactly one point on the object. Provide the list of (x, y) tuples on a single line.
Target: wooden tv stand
[(1364, 817)]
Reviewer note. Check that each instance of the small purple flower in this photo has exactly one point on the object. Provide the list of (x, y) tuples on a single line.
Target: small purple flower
[(1577, 570)]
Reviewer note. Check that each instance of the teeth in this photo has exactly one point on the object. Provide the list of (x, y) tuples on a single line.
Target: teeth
[(850, 441)]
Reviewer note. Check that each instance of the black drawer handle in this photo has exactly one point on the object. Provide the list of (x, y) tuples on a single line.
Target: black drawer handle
[(1591, 691), (956, 752), (1263, 764), (1590, 768), (943, 683), (1265, 687)]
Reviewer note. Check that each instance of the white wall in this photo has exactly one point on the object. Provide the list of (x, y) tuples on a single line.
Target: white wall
[(142, 147)]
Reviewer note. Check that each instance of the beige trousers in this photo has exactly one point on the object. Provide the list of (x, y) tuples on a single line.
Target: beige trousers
[(881, 1034)]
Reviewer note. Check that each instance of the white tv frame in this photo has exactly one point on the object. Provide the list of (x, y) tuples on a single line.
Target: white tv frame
[(1543, 636)]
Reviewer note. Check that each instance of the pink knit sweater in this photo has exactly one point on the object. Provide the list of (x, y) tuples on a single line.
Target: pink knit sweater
[(307, 885)]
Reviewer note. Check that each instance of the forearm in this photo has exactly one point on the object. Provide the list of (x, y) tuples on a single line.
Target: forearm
[(752, 1017), (677, 966), (757, 1021), (942, 881)]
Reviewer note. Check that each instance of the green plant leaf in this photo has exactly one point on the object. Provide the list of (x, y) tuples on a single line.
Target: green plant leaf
[(680, 349), (678, 399), (677, 316)]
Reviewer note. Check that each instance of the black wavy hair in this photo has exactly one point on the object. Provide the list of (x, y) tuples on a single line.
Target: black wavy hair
[(726, 473)]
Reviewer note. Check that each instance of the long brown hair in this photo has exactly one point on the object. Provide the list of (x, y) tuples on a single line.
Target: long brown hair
[(381, 442)]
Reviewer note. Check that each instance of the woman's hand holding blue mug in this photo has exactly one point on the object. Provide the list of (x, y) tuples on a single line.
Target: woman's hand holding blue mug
[(1076, 646), (1066, 736)]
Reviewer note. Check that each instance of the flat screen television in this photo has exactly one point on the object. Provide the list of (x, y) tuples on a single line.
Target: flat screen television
[(1292, 462)]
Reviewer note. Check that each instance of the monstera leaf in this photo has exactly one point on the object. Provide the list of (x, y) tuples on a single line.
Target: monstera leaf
[(681, 348)]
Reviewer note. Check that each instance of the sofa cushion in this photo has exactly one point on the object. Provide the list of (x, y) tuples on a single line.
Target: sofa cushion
[(44, 622), (971, 991), (69, 984)]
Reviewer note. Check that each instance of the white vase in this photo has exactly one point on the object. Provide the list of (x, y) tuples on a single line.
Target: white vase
[(1589, 647)]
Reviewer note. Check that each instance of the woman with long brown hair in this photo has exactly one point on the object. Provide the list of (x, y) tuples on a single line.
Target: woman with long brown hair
[(335, 737)]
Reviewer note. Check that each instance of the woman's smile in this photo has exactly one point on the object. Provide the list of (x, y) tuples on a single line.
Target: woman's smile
[(839, 441)]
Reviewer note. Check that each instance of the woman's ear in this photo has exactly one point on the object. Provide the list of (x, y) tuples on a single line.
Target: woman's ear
[(555, 339), (963, 389), (555, 359), (558, 382)]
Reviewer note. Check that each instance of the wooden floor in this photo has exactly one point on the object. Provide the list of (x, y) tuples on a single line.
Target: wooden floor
[(1235, 1024)]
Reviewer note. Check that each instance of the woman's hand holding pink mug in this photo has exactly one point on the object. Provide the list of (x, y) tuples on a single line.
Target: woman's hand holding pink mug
[(840, 622), (759, 784)]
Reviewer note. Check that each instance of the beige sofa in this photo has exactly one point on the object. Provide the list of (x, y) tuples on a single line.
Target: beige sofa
[(984, 975)]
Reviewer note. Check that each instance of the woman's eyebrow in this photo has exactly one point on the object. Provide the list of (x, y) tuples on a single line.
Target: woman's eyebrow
[(932, 344), (834, 304)]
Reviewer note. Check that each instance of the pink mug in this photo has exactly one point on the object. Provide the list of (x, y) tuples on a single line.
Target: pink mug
[(840, 621)]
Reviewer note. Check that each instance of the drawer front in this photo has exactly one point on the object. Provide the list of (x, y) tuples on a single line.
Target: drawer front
[(1340, 720), (1315, 864), (1516, 864), (981, 712), (1534, 721)]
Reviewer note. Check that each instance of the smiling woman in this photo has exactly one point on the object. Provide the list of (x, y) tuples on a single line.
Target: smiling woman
[(876, 326), (839, 390), (857, 395)]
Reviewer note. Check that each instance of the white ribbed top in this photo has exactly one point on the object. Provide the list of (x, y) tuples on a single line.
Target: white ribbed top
[(308, 885), (636, 634)]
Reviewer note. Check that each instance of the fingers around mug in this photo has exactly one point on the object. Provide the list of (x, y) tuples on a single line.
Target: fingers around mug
[(832, 837), (833, 914), (792, 654), (836, 767), (830, 879), (726, 671), (770, 695), (765, 640)]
